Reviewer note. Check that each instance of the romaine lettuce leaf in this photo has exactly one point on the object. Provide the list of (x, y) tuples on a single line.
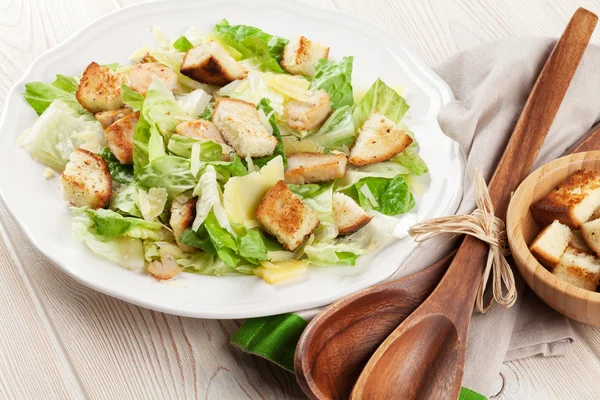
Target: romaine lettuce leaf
[(58, 132), (388, 196), (411, 159), (237, 33), (119, 172), (40, 95), (209, 200), (382, 99), (336, 79), (337, 131), (122, 250), (182, 146), (265, 106), (346, 249), (125, 200), (206, 114), (169, 172), (132, 98), (319, 198), (182, 44), (109, 224)]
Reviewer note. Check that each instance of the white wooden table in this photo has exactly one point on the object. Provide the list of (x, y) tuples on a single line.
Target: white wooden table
[(59, 339)]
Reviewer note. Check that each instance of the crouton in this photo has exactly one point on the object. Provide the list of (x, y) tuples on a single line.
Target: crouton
[(314, 167), (107, 118), (100, 89), (119, 137), (307, 115), (378, 140), (300, 55), (572, 203), (140, 76), (579, 244), (242, 129), (211, 64), (549, 246), (579, 269), (348, 216), (86, 180), (286, 217), (205, 130), (590, 231), (182, 217), (164, 269)]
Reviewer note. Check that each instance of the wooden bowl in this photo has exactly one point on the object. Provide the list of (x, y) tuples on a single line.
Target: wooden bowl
[(579, 304)]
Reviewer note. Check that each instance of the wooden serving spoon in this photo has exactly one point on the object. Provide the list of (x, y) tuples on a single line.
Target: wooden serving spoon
[(424, 357), (338, 342)]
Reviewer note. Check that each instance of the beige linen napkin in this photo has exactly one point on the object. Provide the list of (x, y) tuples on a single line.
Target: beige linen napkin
[(491, 84)]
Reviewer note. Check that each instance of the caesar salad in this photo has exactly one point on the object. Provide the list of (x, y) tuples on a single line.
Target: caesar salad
[(228, 152)]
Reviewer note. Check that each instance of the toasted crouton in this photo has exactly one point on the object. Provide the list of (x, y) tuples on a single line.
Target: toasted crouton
[(307, 115), (579, 244), (100, 89), (107, 118), (549, 246), (300, 55), (211, 64), (579, 269), (119, 137), (205, 130), (572, 203), (314, 167), (348, 216), (242, 129), (182, 217), (164, 269), (378, 140), (286, 217), (86, 180), (140, 76), (590, 231)]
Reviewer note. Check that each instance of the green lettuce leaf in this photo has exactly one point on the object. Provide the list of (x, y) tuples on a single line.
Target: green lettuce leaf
[(265, 106), (237, 33), (40, 95), (337, 131), (182, 146), (389, 196), (209, 200), (122, 250), (169, 172), (382, 99), (261, 57), (319, 198), (120, 173), (206, 114), (110, 224), (336, 79), (125, 201), (346, 249), (411, 159), (158, 119), (183, 44), (132, 98), (58, 132)]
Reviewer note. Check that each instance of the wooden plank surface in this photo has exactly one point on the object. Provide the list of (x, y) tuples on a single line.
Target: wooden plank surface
[(59, 339)]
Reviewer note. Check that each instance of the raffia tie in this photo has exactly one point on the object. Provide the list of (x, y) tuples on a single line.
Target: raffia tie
[(485, 226)]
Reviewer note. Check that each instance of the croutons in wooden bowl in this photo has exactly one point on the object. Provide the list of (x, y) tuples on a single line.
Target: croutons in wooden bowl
[(558, 285)]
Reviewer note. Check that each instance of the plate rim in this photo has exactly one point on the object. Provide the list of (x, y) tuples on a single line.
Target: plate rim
[(384, 37)]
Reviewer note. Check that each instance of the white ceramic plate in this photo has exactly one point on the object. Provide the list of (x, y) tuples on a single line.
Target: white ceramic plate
[(37, 205)]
